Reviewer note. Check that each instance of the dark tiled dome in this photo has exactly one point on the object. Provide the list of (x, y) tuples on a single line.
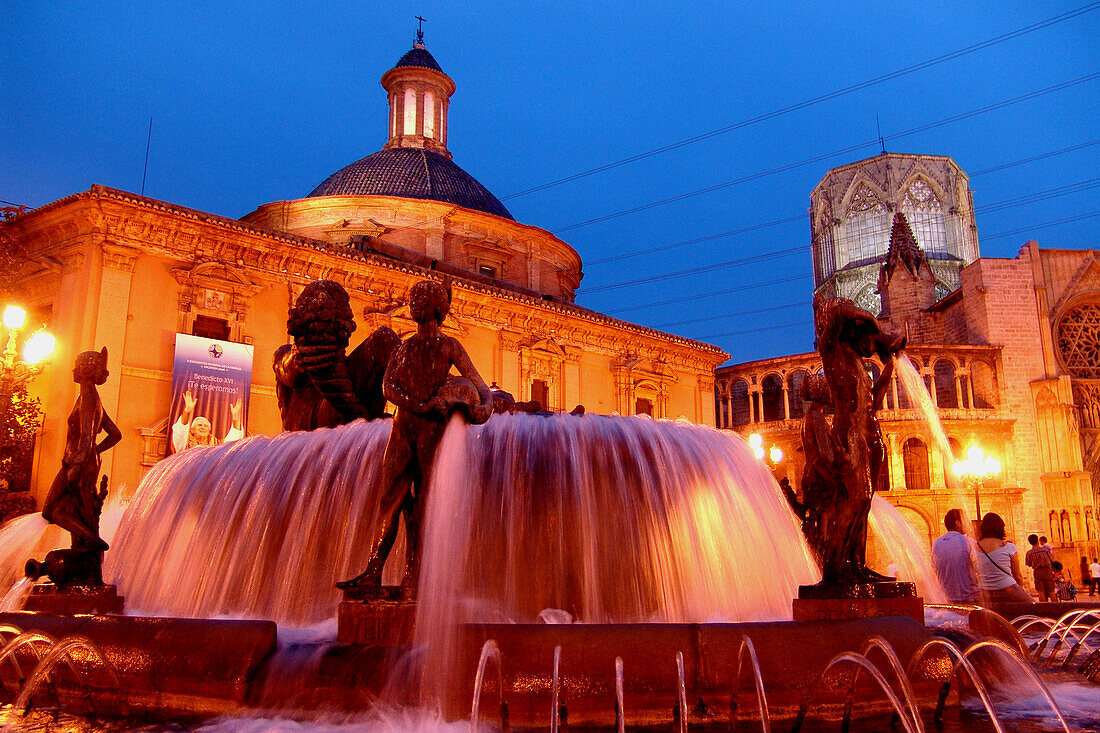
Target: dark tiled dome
[(411, 173), (419, 56)]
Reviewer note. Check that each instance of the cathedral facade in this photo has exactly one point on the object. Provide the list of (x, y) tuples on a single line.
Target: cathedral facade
[(1005, 347), (114, 269)]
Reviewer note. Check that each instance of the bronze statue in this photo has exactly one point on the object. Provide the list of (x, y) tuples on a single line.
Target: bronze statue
[(843, 465), (317, 385), (418, 382), (75, 500)]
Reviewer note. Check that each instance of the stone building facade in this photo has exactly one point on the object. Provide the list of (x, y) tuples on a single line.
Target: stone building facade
[(1009, 359), (110, 268)]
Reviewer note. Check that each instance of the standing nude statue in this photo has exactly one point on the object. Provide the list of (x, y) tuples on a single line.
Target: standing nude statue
[(846, 336), (75, 502), (418, 381)]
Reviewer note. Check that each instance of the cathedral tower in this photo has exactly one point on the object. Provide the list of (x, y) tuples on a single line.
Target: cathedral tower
[(851, 216)]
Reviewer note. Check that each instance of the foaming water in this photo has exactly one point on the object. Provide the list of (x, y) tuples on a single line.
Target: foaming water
[(611, 519), (900, 543), (258, 528), (919, 397), (23, 538)]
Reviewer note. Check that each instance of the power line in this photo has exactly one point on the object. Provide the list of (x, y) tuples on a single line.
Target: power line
[(762, 257), (700, 296), (757, 330), (1040, 196), (1034, 158), (777, 254), (802, 217), (731, 315), (818, 158), (710, 237), (816, 100), (751, 286), (1044, 225)]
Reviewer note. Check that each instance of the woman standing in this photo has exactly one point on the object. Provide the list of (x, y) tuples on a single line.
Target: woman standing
[(999, 576)]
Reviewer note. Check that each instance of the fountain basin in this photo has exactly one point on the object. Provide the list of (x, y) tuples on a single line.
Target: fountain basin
[(790, 654), (173, 665)]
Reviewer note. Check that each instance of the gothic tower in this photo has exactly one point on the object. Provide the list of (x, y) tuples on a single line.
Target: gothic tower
[(851, 215)]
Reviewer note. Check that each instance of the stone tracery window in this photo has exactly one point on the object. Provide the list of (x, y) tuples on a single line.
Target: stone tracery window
[(925, 214), (1078, 337), (866, 227)]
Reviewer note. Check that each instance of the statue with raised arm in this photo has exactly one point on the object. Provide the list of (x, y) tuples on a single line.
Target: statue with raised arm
[(419, 382), (76, 496), (846, 336), (319, 385)]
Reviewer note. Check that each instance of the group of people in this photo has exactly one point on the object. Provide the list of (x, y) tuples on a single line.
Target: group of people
[(987, 570)]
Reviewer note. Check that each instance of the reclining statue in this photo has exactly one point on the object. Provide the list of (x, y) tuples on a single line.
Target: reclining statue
[(318, 385)]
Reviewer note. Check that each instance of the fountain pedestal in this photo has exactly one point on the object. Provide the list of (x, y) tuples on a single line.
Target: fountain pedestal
[(376, 616), (834, 602), (70, 599)]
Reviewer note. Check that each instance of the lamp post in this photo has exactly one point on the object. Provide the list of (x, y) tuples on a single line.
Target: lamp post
[(774, 454), (974, 470), (14, 372)]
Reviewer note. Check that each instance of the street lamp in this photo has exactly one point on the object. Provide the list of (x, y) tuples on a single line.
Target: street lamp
[(16, 372), (974, 470), (774, 454)]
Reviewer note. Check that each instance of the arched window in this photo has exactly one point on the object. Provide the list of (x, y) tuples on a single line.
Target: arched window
[(949, 477), (925, 215), (794, 400), (984, 383), (772, 396), (410, 111), (739, 403), (947, 396), (866, 228), (915, 459), (429, 114)]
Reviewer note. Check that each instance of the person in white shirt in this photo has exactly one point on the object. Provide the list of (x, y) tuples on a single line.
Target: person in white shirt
[(1094, 571), (952, 557), (189, 431), (999, 576)]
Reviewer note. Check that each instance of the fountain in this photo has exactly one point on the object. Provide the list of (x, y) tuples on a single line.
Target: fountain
[(575, 570)]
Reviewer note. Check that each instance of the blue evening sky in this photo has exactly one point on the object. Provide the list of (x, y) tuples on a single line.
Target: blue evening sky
[(259, 102)]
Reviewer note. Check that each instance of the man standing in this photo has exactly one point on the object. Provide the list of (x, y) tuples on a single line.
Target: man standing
[(1094, 571), (1039, 560), (951, 557)]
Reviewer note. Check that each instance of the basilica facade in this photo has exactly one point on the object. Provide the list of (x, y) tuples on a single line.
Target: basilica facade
[(108, 268), (1006, 349)]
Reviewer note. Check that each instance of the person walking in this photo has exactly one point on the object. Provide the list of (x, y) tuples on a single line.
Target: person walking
[(1040, 561), (1094, 575), (998, 562), (952, 557), (1086, 579)]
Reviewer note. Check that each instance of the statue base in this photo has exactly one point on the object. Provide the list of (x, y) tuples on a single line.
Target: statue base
[(376, 616), (73, 599), (832, 602)]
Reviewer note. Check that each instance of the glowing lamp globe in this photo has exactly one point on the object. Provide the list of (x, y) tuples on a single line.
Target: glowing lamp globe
[(38, 347), (14, 316)]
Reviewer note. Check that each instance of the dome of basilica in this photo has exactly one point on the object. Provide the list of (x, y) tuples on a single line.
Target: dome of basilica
[(415, 173)]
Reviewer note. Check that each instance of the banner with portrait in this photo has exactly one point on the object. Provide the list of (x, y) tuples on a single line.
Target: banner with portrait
[(211, 383)]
